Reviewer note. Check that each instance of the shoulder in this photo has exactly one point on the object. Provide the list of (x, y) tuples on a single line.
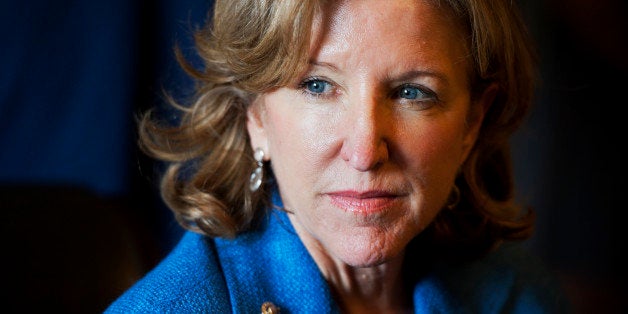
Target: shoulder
[(164, 289), (508, 280), (205, 275)]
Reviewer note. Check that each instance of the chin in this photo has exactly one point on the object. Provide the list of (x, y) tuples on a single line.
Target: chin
[(365, 263), (368, 255), (371, 260)]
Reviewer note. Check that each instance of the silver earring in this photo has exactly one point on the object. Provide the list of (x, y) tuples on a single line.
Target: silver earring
[(255, 181)]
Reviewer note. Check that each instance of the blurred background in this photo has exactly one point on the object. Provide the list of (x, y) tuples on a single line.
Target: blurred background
[(81, 215)]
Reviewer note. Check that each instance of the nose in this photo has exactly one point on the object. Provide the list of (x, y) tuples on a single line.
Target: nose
[(365, 145)]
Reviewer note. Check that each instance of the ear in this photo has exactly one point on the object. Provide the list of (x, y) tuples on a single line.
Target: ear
[(478, 110), (255, 125)]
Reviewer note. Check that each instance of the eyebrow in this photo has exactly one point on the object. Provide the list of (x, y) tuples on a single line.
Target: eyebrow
[(419, 73), (324, 64), (403, 77)]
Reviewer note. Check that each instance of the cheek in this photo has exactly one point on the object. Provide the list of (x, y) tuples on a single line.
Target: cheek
[(298, 146), (436, 143), (296, 136), (278, 127), (433, 152)]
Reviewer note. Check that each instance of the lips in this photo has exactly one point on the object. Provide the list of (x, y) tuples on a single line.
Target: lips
[(367, 202)]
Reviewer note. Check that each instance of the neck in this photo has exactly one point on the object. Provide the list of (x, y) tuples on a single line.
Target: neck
[(377, 289)]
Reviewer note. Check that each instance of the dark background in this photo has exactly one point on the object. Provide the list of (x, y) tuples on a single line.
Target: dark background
[(81, 216), (569, 158)]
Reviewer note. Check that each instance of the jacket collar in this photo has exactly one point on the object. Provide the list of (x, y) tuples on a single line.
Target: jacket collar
[(271, 264)]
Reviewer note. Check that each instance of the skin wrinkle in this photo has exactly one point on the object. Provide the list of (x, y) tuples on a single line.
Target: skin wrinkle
[(355, 213), (360, 136)]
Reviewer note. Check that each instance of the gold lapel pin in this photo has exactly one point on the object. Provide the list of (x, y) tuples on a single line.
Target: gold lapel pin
[(269, 308)]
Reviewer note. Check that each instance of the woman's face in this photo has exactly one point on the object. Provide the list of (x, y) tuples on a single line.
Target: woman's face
[(366, 144)]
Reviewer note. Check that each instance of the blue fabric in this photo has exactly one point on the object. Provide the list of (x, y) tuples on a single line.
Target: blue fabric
[(204, 275), (509, 280)]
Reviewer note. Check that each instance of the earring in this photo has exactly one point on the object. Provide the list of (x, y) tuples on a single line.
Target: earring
[(255, 181), (454, 198)]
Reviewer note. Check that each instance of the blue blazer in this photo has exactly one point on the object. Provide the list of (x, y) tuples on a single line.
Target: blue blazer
[(270, 264)]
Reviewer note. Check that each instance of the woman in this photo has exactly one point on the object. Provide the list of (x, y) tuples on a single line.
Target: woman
[(349, 156)]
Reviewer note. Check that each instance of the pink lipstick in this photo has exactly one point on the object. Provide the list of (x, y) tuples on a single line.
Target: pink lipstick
[(367, 202)]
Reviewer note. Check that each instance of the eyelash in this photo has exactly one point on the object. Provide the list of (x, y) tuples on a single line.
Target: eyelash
[(430, 95), (303, 87)]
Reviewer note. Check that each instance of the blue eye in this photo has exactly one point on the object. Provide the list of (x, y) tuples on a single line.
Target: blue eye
[(413, 93), (316, 86)]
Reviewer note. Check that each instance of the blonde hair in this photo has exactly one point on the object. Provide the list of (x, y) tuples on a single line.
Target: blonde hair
[(253, 46)]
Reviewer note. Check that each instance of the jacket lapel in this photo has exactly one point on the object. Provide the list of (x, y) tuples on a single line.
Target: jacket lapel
[(272, 265)]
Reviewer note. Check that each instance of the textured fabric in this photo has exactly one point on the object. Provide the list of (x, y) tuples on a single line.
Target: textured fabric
[(509, 280), (204, 275)]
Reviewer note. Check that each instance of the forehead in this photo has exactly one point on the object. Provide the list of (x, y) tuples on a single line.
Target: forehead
[(416, 29), (384, 12)]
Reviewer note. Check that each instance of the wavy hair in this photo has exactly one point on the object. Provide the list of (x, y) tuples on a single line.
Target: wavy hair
[(252, 46)]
